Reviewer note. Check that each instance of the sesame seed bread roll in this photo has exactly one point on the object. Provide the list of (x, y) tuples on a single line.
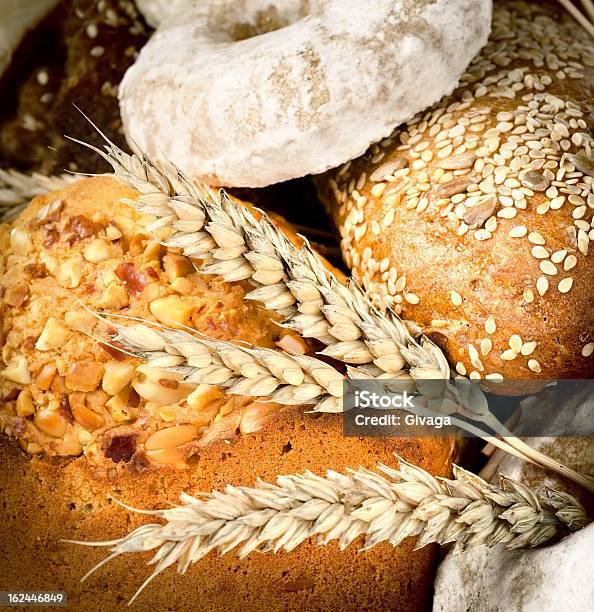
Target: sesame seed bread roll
[(475, 218)]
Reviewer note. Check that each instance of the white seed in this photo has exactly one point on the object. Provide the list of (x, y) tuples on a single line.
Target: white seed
[(570, 262), (518, 231), (548, 267), (588, 349), (456, 298), (534, 365), (486, 346), (528, 348), (540, 252), (460, 369), (536, 238), (515, 343), (490, 325), (508, 355), (542, 285), (565, 285)]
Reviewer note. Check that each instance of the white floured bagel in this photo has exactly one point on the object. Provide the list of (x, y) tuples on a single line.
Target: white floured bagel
[(16, 19), (253, 92)]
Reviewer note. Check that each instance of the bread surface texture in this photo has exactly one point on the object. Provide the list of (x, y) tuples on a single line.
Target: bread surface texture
[(475, 219), (65, 389)]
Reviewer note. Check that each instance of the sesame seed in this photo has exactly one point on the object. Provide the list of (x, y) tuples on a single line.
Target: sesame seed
[(507, 213), (565, 285), (515, 343), (490, 325), (92, 30), (460, 368), (536, 238), (534, 365), (518, 231), (528, 296), (412, 298), (97, 51), (588, 349), (570, 262), (558, 256), (43, 77), (539, 252), (528, 348), (542, 285), (508, 355), (474, 375), (486, 346), (482, 234), (494, 376), (548, 267)]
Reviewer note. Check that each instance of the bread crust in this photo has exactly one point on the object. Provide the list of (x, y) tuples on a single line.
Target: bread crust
[(425, 216), (42, 503)]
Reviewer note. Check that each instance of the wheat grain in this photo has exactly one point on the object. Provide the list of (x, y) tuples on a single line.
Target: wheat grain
[(384, 506), (293, 281), (17, 188)]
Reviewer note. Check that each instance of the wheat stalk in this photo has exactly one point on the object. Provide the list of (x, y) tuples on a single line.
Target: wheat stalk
[(293, 281), (586, 21), (385, 506), (17, 188)]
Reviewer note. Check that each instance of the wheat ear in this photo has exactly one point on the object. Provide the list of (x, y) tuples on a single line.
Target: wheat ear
[(384, 506), (17, 188), (240, 368), (293, 281)]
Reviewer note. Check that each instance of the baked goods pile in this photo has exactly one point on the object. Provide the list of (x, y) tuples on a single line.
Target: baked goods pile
[(472, 221)]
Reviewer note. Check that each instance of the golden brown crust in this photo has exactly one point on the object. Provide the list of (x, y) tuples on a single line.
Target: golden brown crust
[(41, 504), (426, 216)]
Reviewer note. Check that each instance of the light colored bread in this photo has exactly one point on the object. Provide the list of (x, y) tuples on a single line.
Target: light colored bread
[(475, 219), (251, 93), (58, 402)]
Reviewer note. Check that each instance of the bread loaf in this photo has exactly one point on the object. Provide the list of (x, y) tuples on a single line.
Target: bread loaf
[(43, 502), (97, 423), (475, 218)]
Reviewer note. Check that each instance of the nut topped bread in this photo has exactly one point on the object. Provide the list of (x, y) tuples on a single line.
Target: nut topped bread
[(64, 392), (475, 218)]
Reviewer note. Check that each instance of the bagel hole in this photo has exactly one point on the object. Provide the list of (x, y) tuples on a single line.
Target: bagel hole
[(263, 22)]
